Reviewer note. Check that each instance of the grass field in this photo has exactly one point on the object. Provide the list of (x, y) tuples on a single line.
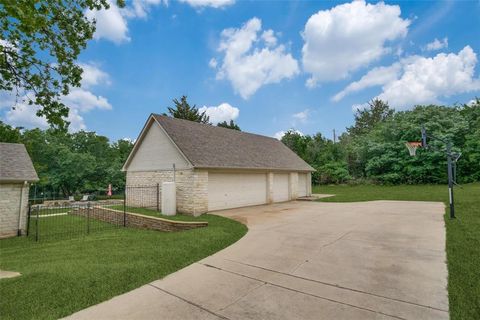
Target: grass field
[(463, 234), (60, 277)]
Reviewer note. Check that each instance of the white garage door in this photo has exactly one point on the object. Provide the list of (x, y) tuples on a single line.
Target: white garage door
[(280, 187), (233, 190), (302, 184)]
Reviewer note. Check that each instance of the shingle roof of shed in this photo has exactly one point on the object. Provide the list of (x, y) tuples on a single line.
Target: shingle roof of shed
[(207, 146), (15, 163)]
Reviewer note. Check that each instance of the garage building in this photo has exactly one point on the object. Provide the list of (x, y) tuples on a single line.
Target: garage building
[(215, 168), (16, 174)]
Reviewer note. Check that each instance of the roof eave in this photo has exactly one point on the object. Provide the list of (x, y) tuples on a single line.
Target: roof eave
[(7, 180), (255, 168)]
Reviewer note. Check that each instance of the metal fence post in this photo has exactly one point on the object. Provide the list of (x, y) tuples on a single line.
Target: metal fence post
[(88, 217), (125, 207), (36, 223), (158, 196), (28, 218)]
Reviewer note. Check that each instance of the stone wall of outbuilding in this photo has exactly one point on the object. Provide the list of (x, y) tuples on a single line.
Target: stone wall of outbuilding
[(191, 187), (13, 206)]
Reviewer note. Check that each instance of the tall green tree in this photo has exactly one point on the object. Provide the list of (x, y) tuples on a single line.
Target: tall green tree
[(9, 134), (229, 125), (366, 119), (183, 110), (39, 44), (72, 162), (296, 142)]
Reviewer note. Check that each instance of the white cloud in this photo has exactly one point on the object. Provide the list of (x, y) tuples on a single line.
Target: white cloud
[(422, 80), (248, 65), (269, 38), (83, 100), (358, 107), (111, 24), (79, 100), (302, 116), (279, 135), (348, 37), (375, 77), (213, 63), (220, 113), (472, 102), (128, 139), (436, 44), (209, 3), (25, 116), (93, 75), (140, 8)]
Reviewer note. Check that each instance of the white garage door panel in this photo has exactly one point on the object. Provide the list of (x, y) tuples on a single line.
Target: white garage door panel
[(302, 184), (280, 187), (233, 190)]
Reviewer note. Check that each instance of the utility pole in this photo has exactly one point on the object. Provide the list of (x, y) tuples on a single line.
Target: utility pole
[(334, 136)]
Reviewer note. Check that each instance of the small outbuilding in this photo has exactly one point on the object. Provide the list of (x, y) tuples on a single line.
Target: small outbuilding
[(215, 168), (16, 174)]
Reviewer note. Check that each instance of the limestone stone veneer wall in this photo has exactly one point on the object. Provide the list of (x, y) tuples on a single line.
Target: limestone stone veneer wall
[(192, 189), (12, 207), (134, 220)]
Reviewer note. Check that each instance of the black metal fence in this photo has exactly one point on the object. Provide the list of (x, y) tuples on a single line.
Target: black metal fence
[(39, 194), (148, 197), (55, 219)]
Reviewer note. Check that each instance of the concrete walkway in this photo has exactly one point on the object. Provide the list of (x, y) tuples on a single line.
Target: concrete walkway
[(308, 260)]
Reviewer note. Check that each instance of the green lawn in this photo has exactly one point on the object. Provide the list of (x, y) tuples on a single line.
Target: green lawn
[(60, 277), (463, 234)]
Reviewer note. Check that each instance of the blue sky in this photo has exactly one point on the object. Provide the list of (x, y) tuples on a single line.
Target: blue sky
[(271, 65)]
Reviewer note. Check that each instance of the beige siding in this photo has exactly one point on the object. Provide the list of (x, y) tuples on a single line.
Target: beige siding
[(293, 186), (156, 152), (302, 184), (232, 190), (309, 184), (10, 208), (280, 187)]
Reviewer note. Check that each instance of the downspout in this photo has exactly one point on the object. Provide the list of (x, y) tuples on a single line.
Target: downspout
[(19, 230)]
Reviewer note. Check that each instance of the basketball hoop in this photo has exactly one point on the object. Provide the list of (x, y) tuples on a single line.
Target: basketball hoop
[(413, 146)]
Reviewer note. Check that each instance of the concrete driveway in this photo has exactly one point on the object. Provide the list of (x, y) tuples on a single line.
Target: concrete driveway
[(308, 260)]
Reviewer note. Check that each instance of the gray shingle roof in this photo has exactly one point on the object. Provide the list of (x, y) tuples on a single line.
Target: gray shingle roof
[(207, 146), (15, 163)]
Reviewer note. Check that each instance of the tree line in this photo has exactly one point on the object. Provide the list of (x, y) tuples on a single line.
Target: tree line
[(84, 162), (72, 163), (373, 149)]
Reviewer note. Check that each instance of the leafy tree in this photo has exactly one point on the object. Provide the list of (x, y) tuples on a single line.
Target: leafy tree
[(72, 163), (296, 142), (229, 125), (373, 149), (9, 134), (368, 118), (183, 110), (39, 44)]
